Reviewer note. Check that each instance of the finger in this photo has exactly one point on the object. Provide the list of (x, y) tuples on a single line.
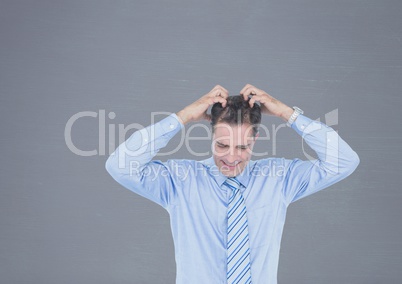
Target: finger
[(245, 96), (219, 93), (245, 87), (251, 102), (245, 93), (225, 92), (221, 100), (250, 91), (261, 99), (219, 87)]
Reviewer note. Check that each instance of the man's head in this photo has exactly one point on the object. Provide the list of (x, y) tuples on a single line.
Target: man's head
[(235, 129)]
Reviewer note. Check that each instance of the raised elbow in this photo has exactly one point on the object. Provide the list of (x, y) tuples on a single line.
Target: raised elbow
[(353, 163)]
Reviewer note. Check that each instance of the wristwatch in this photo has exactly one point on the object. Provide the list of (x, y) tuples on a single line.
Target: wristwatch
[(297, 111)]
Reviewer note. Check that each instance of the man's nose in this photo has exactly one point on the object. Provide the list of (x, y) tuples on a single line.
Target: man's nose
[(232, 156), (235, 152)]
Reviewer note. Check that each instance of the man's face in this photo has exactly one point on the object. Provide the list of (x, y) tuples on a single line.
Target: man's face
[(232, 147)]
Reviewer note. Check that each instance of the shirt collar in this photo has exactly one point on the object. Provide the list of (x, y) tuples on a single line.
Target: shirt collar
[(243, 177)]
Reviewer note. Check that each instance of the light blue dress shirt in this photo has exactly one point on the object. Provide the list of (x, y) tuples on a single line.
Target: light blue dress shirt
[(192, 193)]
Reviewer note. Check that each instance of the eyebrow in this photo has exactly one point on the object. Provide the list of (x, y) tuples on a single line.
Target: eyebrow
[(225, 145), (221, 144)]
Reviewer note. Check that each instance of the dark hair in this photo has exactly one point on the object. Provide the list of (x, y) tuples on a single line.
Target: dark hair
[(236, 112)]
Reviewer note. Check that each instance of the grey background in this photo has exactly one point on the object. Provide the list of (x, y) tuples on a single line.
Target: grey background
[(62, 217)]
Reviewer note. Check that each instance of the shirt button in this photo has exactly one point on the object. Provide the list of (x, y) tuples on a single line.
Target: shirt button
[(303, 126), (171, 126), (145, 140)]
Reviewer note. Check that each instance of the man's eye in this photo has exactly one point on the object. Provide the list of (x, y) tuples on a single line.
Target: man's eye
[(222, 146), (243, 147)]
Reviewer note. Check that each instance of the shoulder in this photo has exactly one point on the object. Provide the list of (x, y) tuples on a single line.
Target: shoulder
[(185, 167), (271, 166), (270, 162)]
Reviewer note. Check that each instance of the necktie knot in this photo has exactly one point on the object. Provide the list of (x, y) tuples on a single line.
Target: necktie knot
[(232, 183)]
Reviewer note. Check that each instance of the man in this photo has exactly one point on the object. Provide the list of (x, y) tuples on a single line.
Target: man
[(227, 212)]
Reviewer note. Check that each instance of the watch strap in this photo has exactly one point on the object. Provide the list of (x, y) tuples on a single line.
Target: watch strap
[(297, 111)]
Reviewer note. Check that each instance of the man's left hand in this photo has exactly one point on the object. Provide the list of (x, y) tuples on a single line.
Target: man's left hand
[(269, 105)]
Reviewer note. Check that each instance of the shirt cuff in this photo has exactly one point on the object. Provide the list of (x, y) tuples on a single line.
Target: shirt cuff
[(170, 125), (301, 123)]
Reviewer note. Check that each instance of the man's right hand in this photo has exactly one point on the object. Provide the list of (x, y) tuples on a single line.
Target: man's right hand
[(198, 109)]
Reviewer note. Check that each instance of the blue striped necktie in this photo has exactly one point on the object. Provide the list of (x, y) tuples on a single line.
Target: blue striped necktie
[(238, 250)]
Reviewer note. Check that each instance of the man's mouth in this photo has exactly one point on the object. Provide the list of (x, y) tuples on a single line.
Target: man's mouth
[(230, 166)]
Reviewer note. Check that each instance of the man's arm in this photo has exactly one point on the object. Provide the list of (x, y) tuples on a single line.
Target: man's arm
[(336, 159), (131, 163), (198, 110)]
